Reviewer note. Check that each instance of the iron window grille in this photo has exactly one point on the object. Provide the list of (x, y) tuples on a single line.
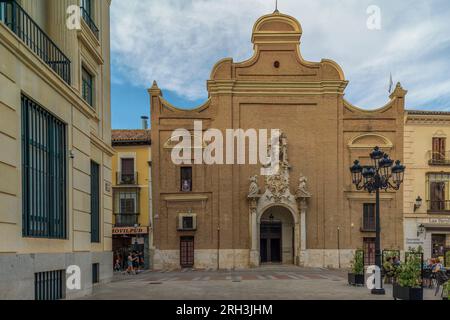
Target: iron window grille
[(87, 87), (95, 202), (49, 285), (369, 223), (44, 162), (438, 192), (19, 22)]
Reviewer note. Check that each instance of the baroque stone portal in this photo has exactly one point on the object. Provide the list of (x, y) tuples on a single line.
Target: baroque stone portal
[(277, 193)]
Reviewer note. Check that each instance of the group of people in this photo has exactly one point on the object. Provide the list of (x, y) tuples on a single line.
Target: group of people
[(390, 268), (131, 263), (431, 269)]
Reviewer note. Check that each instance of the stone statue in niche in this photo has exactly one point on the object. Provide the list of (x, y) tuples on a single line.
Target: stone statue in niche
[(283, 150), (302, 191), (254, 188)]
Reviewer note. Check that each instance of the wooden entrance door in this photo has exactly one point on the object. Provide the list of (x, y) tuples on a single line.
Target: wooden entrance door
[(187, 252), (369, 251), (270, 242)]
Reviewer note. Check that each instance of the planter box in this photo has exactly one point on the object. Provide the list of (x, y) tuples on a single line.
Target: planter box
[(356, 279), (407, 293)]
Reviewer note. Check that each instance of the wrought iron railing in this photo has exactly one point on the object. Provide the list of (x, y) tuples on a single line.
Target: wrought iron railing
[(439, 158), (18, 20), (90, 22), (368, 225), (127, 178), (438, 206), (126, 219)]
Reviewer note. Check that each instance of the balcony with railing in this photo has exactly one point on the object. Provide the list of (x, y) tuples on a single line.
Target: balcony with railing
[(19, 22), (126, 220), (130, 179), (438, 206), (90, 22), (439, 158), (368, 225)]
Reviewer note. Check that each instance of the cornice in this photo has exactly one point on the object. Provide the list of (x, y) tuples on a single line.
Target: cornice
[(243, 87), (96, 141), (90, 42), (32, 61)]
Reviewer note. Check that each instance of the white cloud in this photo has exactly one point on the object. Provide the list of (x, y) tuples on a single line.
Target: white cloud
[(177, 42)]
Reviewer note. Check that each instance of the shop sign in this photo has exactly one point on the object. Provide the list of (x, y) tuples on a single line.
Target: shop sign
[(440, 221), (130, 230)]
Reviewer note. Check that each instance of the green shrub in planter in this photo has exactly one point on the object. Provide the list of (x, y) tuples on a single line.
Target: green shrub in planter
[(409, 278), (356, 276)]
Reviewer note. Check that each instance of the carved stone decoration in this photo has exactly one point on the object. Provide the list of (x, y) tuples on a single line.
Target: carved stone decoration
[(254, 188), (278, 187), (302, 191), (277, 193)]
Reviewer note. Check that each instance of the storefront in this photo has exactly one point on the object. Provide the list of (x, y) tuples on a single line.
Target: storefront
[(128, 240)]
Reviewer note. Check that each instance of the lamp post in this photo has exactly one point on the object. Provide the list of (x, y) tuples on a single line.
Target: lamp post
[(381, 175)]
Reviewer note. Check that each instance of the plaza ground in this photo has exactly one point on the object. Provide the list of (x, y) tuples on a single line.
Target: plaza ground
[(265, 283)]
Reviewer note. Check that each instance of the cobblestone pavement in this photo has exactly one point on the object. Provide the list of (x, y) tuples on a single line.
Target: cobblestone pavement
[(265, 283)]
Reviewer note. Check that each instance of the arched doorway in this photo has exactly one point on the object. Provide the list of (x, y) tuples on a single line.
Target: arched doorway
[(277, 236)]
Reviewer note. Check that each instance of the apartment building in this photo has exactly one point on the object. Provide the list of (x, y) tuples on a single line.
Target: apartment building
[(427, 183), (132, 201), (55, 137)]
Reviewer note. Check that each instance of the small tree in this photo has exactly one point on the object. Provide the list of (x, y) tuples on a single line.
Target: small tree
[(410, 272), (357, 264)]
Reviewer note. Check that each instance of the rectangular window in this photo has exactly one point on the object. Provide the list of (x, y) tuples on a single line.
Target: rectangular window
[(95, 273), (438, 192), (49, 285), (95, 202), (127, 202), (186, 179), (369, 223), (438, 149), (87, 6), (127, 175), (43, 173), (188, 223), (87, 87), (126, 208)]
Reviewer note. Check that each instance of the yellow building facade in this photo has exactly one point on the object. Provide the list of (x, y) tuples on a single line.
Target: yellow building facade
[(427, 182), (55, 137), (132, 195)]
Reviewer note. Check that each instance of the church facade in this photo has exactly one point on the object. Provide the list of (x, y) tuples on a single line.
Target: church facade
[(308, 213)]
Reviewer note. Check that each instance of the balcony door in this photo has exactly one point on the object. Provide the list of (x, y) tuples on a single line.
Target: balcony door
[(187, 252), (439, 149), (437, 194), (369, 251), (127, 176)]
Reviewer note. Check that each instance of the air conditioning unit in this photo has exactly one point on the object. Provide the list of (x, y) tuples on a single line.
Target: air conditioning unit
[(187, 222)]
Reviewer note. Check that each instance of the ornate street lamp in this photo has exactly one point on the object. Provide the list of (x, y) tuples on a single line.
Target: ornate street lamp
[(381, 175)]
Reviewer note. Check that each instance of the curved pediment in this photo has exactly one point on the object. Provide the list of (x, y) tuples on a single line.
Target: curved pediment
[(277, 63), (369, 141)]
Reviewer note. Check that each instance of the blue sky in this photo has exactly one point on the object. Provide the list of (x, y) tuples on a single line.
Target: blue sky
[(177, 42)]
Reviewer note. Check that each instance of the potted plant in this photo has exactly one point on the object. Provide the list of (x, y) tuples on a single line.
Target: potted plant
[(356, 276), (409, 279)]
